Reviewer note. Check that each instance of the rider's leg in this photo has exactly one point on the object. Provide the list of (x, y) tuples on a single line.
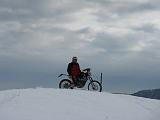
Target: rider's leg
[(74, 80)]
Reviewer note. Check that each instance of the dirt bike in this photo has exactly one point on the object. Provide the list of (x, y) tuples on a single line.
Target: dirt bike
[(84, 76)]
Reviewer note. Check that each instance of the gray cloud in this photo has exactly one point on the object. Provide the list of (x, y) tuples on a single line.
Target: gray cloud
[(150, 28), (118, 38)]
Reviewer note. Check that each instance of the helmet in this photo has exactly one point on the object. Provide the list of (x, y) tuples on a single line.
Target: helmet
[(74, 58)]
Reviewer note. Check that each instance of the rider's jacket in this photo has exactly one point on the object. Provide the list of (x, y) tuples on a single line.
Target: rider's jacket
[(73, 69)]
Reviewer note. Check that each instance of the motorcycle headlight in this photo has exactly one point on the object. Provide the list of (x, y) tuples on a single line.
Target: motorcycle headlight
[(89, 73)]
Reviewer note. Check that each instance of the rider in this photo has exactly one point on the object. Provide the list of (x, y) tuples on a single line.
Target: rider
[(74, 69)]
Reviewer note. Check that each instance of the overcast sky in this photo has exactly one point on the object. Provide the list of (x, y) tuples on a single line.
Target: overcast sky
[(120, 38)]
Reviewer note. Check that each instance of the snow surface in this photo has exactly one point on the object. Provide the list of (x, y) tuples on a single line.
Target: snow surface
[(56, 104)]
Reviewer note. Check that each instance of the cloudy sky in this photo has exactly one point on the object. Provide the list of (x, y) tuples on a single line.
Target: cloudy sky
[(120, 38)]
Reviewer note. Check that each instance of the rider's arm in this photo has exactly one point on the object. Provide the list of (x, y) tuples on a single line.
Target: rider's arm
[(79, 68), (69, 69)]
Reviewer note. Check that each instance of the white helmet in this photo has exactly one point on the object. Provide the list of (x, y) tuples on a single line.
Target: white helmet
[(74, 58)]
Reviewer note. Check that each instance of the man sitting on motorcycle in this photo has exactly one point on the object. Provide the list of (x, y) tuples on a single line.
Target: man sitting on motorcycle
[(74, 70)]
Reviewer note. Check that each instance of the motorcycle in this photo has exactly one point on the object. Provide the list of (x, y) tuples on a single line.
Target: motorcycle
[(85, 75)]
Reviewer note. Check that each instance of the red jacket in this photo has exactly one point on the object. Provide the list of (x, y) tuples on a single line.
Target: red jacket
[(73, 69)]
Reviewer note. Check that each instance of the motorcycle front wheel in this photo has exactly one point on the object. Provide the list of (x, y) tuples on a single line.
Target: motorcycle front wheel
[(65, 84), (95, 86)]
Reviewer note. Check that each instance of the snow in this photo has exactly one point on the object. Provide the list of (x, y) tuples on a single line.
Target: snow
[(56, 104)]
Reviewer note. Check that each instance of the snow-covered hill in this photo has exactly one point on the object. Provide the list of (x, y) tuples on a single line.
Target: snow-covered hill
[(55, 104)]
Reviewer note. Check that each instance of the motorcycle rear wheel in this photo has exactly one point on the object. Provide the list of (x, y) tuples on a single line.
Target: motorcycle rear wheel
[(65, 84)]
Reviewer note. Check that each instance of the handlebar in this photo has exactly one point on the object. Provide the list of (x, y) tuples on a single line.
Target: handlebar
[(87, 69)]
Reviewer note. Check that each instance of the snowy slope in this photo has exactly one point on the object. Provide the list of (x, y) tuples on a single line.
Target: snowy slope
[(55, 104)]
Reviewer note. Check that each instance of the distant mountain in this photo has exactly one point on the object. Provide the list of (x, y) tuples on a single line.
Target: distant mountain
[(153, 94)]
